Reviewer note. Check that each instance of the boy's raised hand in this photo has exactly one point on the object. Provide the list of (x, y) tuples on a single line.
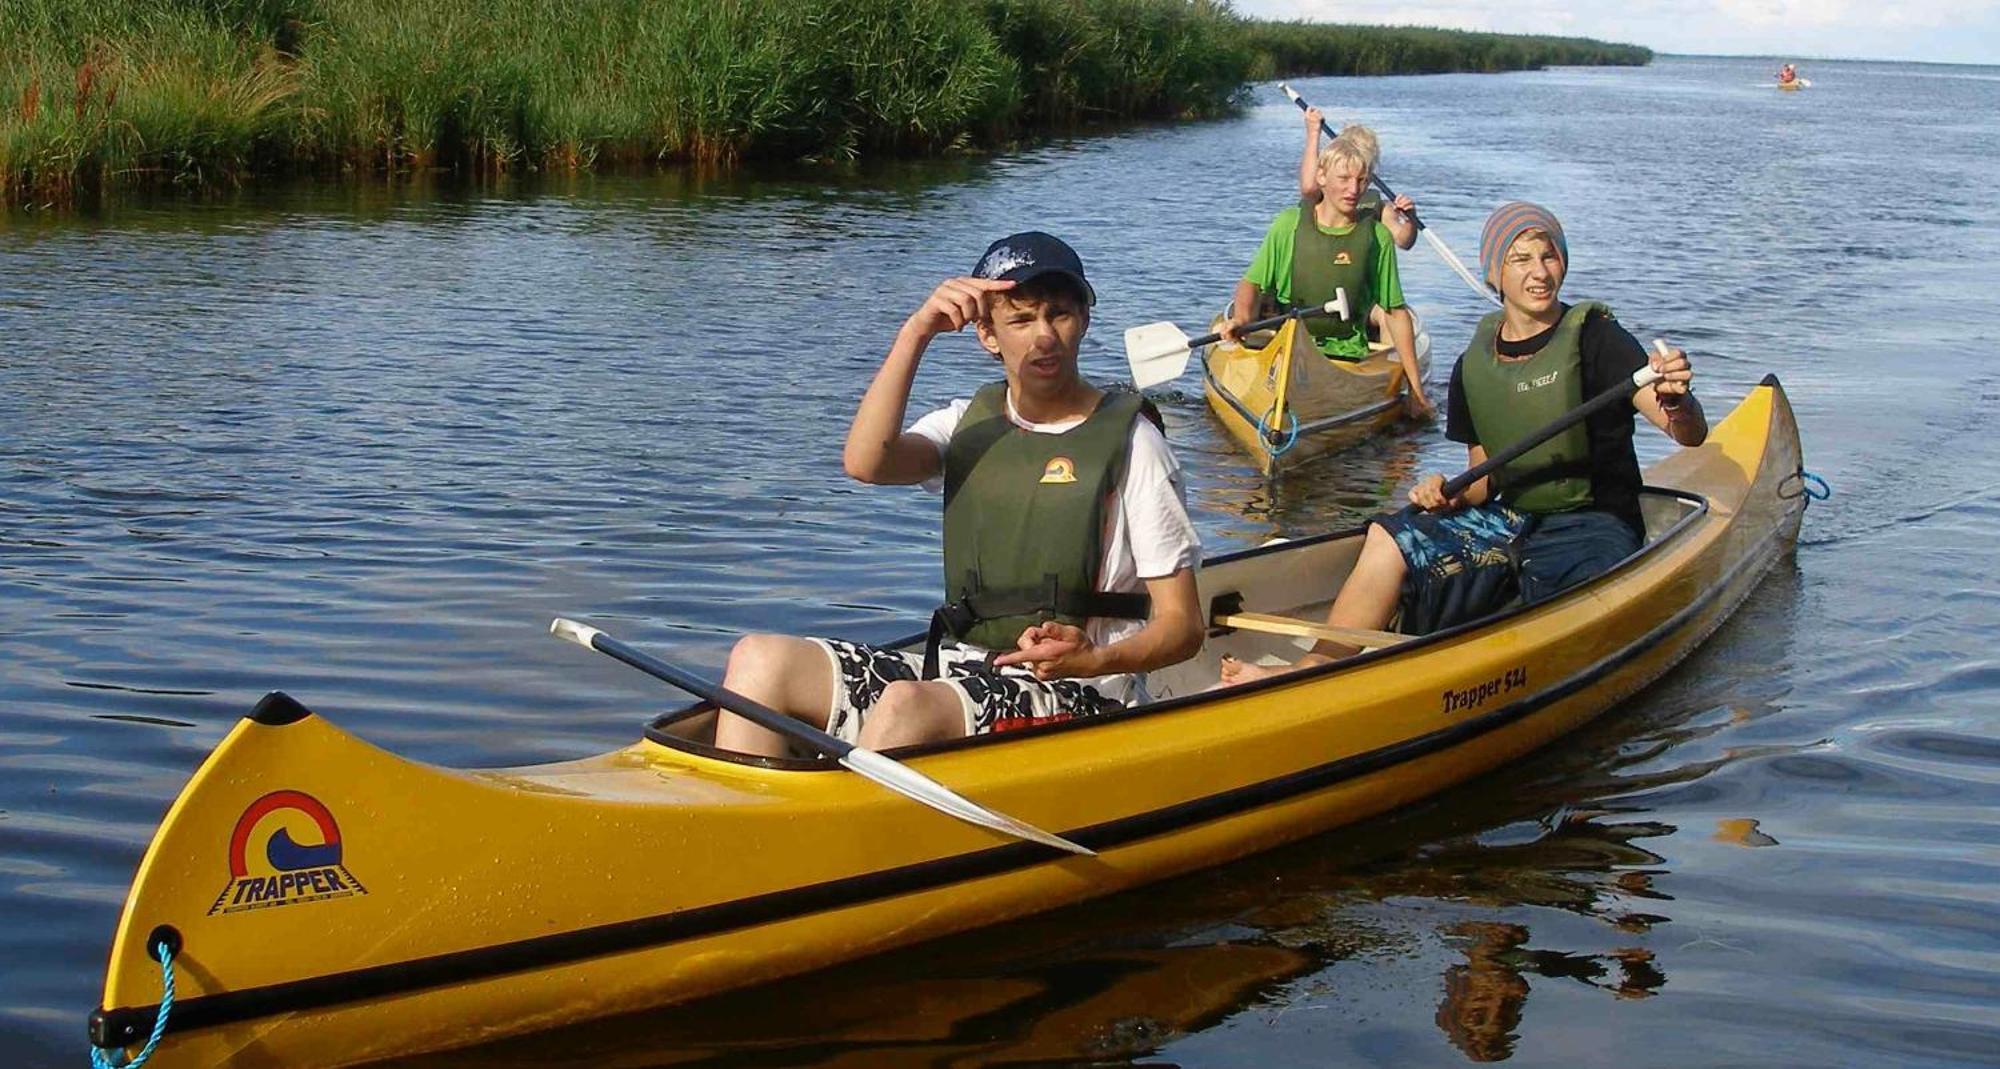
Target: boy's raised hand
[(957, 302)]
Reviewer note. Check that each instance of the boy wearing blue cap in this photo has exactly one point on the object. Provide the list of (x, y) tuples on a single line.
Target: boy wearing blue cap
[(1069, 556), (1566, 511)]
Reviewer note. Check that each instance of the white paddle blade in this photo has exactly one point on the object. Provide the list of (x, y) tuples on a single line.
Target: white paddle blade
[(1157, 352), (910, 783)]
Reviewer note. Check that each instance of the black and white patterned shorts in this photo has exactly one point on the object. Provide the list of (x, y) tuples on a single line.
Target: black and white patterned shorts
[(994, 699)]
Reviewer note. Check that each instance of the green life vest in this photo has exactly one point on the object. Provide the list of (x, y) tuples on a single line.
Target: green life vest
[(1511, 399), (1323, 264), (1024, 520)]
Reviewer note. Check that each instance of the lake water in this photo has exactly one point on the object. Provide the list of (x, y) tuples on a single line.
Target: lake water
[(361, 445)]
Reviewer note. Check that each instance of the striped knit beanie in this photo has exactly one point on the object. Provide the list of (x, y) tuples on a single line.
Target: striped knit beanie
[(1510, 221)]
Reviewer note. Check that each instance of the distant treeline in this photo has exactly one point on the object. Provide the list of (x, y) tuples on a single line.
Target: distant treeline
[(210, 92), (1292, 49)]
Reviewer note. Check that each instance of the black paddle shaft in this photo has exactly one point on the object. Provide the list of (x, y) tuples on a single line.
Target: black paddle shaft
[(1262, 324), (721, 697), (1373, 176), (1571, 418)]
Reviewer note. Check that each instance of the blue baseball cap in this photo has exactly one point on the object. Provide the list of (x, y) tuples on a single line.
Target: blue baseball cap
[(1032, 254)]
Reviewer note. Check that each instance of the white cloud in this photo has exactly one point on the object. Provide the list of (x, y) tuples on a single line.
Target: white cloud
[(1849, 13)]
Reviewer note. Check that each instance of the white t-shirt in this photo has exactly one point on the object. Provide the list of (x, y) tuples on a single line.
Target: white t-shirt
[(1150, 535)]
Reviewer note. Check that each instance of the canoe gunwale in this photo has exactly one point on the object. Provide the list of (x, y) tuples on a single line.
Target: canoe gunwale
[(1331, 422), (644, 933), (1698, 508)]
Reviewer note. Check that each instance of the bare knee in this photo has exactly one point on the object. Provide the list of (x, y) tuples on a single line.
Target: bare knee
[(1380, 554), (755, 657), (785, 673), (909, 713)]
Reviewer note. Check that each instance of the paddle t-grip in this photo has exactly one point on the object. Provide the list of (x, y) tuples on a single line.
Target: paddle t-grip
[(1336, 307)]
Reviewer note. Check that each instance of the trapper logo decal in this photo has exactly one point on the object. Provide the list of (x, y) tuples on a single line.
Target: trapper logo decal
[(1341, 257), (1059, 470), (299, 856)]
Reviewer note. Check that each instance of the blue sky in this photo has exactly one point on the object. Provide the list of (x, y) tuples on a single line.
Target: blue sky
[(1938, 31)]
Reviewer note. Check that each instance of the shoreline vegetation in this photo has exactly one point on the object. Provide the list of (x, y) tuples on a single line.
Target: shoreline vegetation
[(207, 93)]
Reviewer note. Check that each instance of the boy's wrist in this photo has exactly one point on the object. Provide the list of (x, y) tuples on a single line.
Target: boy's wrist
[(915, 330), (1093, 661)]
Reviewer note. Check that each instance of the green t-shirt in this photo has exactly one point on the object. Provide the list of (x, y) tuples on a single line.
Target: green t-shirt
[(1271, 271)]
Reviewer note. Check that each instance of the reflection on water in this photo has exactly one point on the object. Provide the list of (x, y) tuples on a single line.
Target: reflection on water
[(361, 443), (1103, 1008), (1485, 995), (1269, 943)]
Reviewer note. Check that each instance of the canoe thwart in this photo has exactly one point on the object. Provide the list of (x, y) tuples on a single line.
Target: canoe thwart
[(1285, 625), (1226, 613)]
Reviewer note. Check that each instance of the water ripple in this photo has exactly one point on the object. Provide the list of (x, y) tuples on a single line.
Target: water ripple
[(360, 444)]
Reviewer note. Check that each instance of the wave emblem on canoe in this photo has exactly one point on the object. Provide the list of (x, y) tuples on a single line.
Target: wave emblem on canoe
[(297, 872)]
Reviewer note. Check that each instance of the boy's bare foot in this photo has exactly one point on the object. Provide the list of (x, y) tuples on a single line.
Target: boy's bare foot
[(1235, 671)]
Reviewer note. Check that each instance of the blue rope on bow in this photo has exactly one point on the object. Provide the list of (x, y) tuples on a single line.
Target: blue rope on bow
[(115, 1059), (1279, 448), (1811, 486)]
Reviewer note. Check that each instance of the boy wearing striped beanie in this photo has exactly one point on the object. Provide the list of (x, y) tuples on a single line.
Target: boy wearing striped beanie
[(1567, 510)]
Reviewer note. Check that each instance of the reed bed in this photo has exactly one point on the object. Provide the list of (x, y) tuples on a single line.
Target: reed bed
[(209, 92)]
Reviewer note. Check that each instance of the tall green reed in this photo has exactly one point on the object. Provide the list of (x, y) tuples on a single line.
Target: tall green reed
[(211, 91)]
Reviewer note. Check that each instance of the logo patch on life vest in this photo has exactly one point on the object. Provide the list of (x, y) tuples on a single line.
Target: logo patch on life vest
[(1538, 382), (1341, 257), (1059, 470), (290, 871)]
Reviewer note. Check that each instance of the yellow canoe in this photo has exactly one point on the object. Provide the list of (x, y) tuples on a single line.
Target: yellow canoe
[(332, 903), (1284, 403)]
